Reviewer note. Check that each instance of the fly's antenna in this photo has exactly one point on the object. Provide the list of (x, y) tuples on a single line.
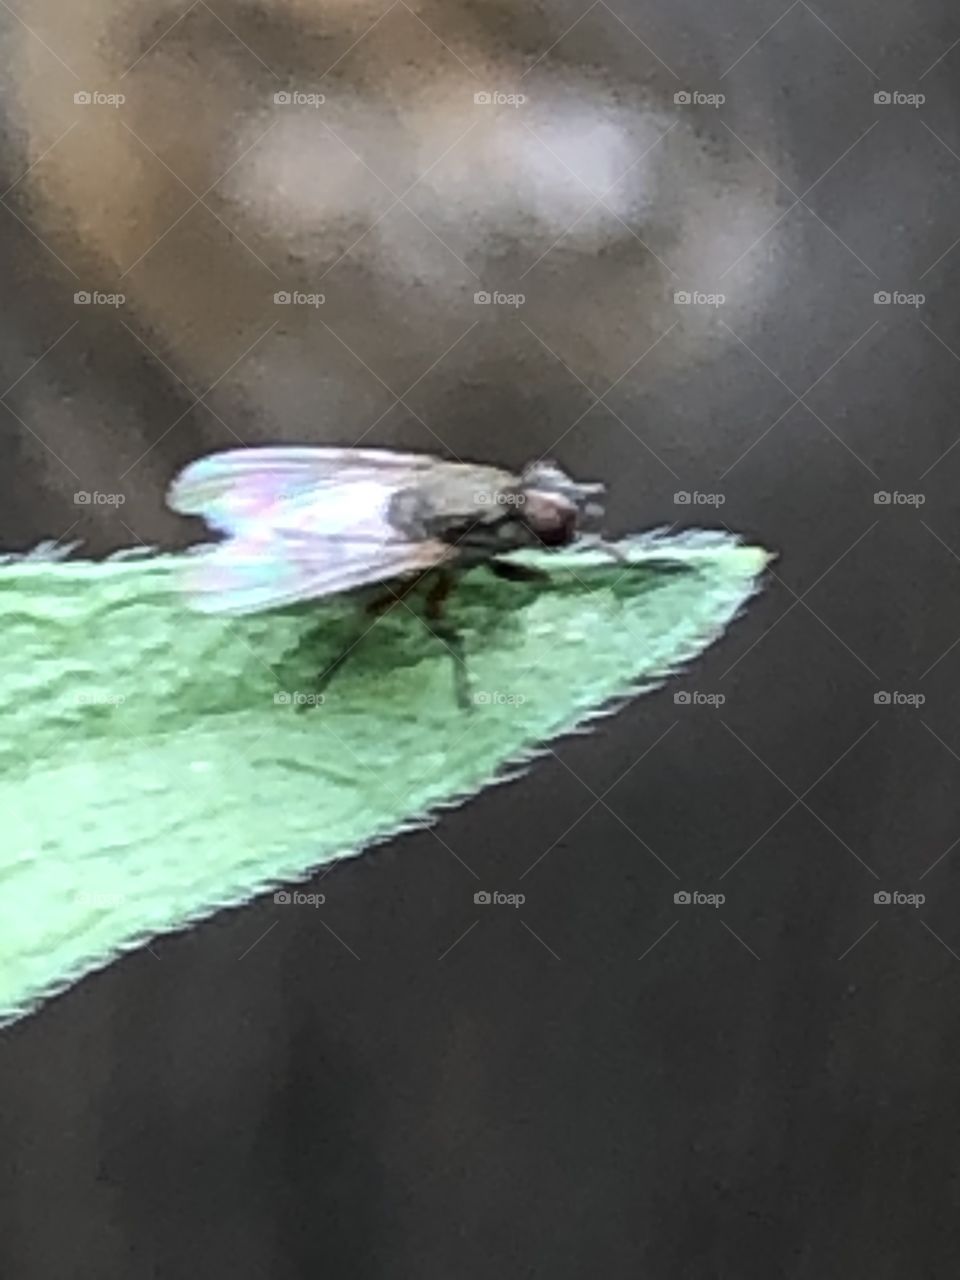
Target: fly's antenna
[(545, 476)]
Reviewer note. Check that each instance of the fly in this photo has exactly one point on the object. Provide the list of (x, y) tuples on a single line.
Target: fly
[(304, 523)]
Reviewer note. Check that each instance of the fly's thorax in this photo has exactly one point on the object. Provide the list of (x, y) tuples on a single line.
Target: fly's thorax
[(486, 533), (483, 511), (453, 501), (409, 511)]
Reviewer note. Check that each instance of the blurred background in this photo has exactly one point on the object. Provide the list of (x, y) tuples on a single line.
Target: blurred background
[(707, 254)]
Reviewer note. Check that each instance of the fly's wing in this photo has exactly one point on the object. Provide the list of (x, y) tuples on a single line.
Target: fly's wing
[(253, 572), (303, 523), (232, 488)]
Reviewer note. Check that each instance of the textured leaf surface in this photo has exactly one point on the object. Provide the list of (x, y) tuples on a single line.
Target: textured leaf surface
[(155, 766)]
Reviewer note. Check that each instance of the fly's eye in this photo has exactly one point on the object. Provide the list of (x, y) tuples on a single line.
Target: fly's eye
[(563, 530), (553, 521)]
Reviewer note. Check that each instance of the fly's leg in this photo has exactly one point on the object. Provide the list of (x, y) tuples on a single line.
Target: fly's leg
[(391, 597), (612, 550), (448, 634), (330, 671), (394, 595), (509, 571)]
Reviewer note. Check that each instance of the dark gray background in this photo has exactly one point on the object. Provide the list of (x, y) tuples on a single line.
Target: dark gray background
[(603, 1082)]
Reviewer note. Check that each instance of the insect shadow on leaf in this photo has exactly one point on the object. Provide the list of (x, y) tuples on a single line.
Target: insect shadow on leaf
[(425, 596)]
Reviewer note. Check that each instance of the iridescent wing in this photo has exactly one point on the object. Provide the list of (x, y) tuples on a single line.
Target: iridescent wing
[(232, 488), (302, 523)]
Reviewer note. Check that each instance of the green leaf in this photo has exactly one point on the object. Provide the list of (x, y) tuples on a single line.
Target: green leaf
[(156, 767)]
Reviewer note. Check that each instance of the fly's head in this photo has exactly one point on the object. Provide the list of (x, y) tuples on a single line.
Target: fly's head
[(556, 509)]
